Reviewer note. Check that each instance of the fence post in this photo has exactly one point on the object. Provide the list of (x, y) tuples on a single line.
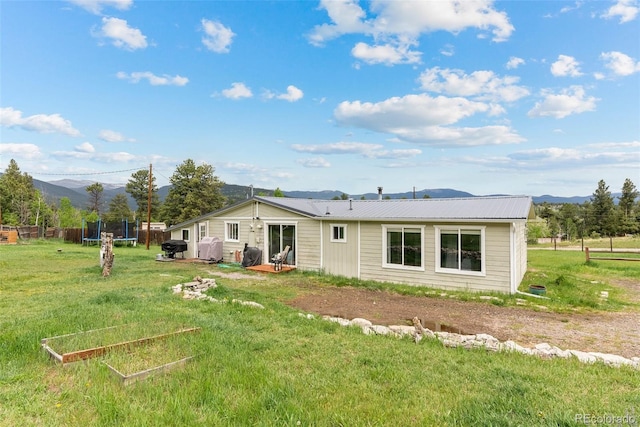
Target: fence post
[(586, 251)]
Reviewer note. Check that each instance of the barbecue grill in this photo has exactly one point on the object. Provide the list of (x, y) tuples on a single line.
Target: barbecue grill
[(171, 247)]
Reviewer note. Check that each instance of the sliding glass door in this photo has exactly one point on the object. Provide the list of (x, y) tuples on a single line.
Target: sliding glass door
[(279, 237)]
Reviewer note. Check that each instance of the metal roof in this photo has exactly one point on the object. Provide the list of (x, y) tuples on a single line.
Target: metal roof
[(490, 208)]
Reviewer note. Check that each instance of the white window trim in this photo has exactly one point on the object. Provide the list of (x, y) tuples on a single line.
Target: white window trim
[(188, 234), (202, 226), (344, 229), (384, 247), (457, 271), (228, 238)]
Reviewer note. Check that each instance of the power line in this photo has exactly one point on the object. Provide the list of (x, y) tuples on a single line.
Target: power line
[(90, 173)]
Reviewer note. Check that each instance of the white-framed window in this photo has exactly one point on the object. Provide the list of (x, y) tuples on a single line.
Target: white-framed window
[(403, 246), (339, 233), (460, 249), (232, 231), (202, 230), (185, 234)]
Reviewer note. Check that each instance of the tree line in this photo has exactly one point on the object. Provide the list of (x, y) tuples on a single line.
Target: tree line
[(196, 191), (598, 217)]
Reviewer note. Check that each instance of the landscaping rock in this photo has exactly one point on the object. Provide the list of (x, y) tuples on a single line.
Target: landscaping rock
[(485, 341)]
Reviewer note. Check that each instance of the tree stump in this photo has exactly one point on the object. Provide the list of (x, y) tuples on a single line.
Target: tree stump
[(106, 253)]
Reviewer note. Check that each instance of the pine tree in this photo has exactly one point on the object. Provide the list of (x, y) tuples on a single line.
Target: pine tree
[(603, 215), (95, 197), (16, 195), (626, 202), (138, 188), (195, 191)]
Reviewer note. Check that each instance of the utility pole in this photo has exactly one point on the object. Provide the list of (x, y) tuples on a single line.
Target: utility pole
[(149, 207)]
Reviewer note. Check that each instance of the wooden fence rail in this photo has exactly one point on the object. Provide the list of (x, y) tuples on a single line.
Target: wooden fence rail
[(589, 255)]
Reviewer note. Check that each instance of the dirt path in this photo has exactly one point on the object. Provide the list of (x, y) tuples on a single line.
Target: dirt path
[(615, 333)]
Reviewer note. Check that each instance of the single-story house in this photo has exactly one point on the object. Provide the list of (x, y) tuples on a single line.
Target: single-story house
[(476, 243)]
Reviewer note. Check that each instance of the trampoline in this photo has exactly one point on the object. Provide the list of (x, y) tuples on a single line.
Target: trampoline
[(123, 231)]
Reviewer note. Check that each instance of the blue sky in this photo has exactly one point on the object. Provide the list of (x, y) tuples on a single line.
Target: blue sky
[(515, 97)]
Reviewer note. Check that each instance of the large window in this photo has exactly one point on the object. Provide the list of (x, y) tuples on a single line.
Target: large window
[(232, 231), (460, 249), (403, 246)]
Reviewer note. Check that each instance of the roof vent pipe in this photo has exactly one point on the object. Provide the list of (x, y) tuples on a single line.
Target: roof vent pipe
[(350, 204), (379, 193)]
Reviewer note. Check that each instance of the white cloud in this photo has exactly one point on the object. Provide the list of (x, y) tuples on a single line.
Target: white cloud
[(85, 147), (572, 100), (397, 25), (164, 80), (337, 148), (393, 154), (573, 158), (514, 62), (481, 85), (387, 54), (95, 6), (627, 10), (42, 123), (346, 17), (21, 151), (608, 145), (113, 136), (620, 64), (84, 152), (566, 66), (237, 91), (316, 162), (567, 9), (370, 151), (407, 111), (448, 50), (217, 37), (425, 120), (293, 94), (122, 35)]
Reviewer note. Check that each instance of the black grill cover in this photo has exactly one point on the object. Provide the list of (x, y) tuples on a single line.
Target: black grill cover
[(170, 247), (252, 256)]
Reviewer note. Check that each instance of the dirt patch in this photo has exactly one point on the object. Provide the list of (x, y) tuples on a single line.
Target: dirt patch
[(615, 333)]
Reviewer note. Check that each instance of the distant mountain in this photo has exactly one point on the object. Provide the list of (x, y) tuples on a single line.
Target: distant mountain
[(419, 194), (75, 191), (82, 184)]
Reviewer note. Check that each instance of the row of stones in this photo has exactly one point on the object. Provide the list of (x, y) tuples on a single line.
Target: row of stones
[(485, 341)]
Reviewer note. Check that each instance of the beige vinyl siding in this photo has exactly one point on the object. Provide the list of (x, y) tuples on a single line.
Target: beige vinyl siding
[(340, 258), (497, 261), (521, 250), (308, 244)]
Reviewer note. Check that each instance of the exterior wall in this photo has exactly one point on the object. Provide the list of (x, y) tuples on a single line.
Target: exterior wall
[(340, 258), (497, 261), (521, 251), (361, 256)]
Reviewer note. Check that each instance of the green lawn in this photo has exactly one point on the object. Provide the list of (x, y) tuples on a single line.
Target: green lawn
[(272, 366)]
